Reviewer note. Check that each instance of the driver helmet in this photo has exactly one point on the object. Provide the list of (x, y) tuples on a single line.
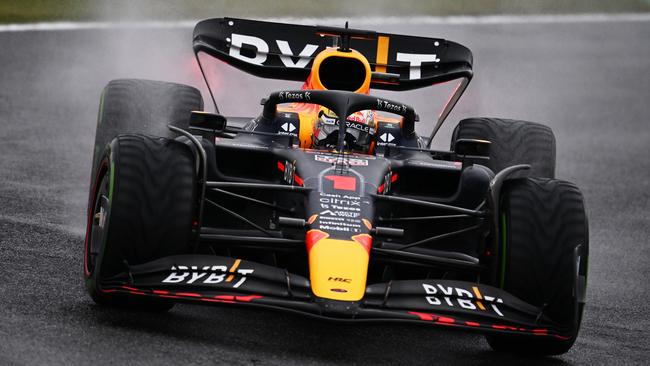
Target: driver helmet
[(359, 134)]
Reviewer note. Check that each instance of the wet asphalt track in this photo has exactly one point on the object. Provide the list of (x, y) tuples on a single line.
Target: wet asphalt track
[(590, 82)]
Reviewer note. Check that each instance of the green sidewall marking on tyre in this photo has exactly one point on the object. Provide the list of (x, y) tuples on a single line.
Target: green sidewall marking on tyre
[(504, 234)]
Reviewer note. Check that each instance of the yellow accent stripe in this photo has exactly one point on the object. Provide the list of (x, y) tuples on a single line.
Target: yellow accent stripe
[(382, 53), (478, 296), (233, 269), (234, 266)]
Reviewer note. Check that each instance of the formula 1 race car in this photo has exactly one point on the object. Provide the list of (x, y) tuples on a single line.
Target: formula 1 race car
[(355, 221)]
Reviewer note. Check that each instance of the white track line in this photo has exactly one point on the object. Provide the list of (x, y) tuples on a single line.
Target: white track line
[(355, 21)]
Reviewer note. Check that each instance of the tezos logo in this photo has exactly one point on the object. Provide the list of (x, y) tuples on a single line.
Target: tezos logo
[(294, 96), (390, 107)]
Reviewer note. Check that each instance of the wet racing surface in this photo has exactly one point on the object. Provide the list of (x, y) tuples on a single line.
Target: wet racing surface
[(589, 81)]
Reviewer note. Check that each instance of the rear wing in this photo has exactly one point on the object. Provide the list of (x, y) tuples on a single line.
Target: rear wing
[(286, 51)]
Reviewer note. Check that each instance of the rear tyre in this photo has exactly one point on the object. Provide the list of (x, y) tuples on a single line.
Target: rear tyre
[(141, 209), (545, 247), (513, 142), (142, 106)]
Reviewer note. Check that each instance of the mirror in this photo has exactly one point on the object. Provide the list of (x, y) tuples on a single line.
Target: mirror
[(207, 121), (472, 148)]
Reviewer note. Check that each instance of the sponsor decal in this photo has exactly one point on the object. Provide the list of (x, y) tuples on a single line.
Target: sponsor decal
[(388, 134), (386, 138), (288, 127), (390, 107), (450, 296), (339, 202), (239, 41), (288, 57), (358, 124), (343, 182), (340, 213), (293, 96), (208, 275), (340, 279), (415, 61), (303, 56), (331, 159), (288, 124), (358, 117)]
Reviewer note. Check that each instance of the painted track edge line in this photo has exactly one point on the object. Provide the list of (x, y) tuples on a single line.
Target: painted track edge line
[(375, 20)]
